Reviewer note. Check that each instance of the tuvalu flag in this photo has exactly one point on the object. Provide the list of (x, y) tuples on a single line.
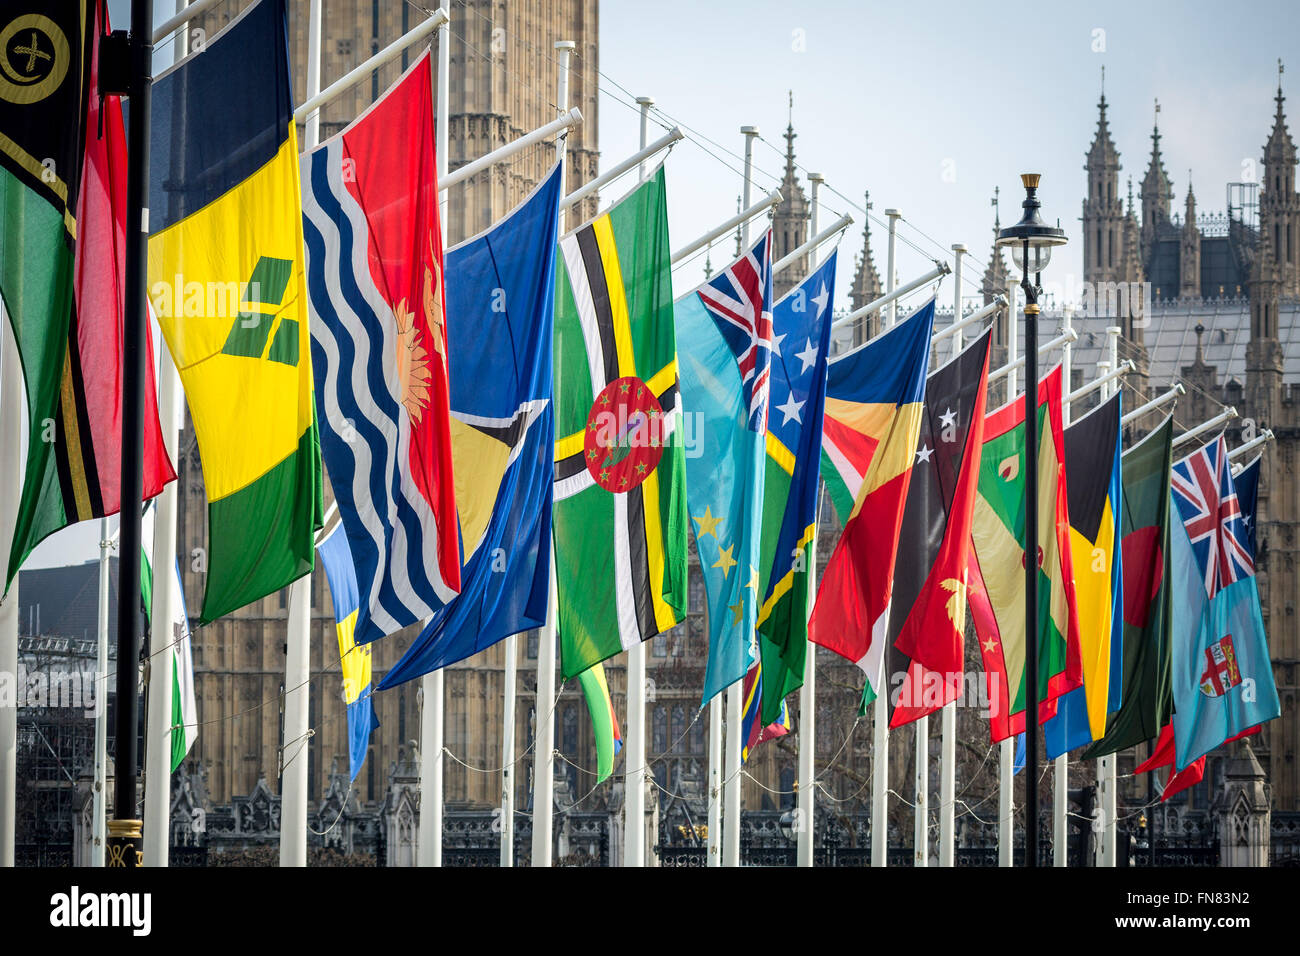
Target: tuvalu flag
[(619, 517), (374, 269), (928, 615), (997, 585), (873, 420), (62, 278), (1141, 670), (801, 333), (1093, 453), (227, 286)]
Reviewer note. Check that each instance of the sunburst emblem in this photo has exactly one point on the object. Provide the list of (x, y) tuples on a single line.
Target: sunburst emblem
[(414, 371)]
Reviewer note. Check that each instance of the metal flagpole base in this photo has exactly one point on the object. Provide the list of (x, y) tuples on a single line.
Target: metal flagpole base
[(125, 843)]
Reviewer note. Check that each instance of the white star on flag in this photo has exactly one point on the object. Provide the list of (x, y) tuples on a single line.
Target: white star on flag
[(791, 409), (949, 418), (820, 299), (923, 453), (776, 344), (808, 357)]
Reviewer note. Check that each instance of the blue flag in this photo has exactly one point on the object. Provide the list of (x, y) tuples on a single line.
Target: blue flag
[(1247, 482), (724, 349), (336, 556), (1222, 675), (500, 314)]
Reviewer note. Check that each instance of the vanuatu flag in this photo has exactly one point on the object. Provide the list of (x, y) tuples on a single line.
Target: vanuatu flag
[(604, 722), (227, 286), (1093, 453), (801, 325), (927, 620), (619, 519), (997, 586), (62, 262), (873, 420), (1146, 695)]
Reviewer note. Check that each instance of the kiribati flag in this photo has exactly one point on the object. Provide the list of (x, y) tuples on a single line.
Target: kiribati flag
[(379, 353)]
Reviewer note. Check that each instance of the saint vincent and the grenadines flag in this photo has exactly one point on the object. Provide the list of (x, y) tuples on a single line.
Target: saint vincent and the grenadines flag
[(927, 617), (1093, 453), (619, 517), (724, 337), (500, 322), (62, 261), (873, 418), (801, 333), (997, 585), (379, 353), (227, 285)]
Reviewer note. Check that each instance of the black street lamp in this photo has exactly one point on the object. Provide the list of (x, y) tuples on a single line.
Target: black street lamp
[(1031, 241)]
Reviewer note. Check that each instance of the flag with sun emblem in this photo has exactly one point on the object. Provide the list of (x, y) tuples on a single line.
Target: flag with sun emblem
[(379, 353), (619, 523), (724, 331)]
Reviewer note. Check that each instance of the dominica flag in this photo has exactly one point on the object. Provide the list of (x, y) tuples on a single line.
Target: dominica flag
[(355, 659), (604, 722), (1093, 454), (801, 330), (226, 283), (619, 517), (997, 585), (180, 660), (62, 271), (927, 619), (872, 422), (724, 329), (1141, 669)]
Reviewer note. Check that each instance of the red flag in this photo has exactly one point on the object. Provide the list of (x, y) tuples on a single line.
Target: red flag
[(1163, 756)]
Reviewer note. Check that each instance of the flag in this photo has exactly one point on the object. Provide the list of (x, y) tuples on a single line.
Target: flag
[(724, 330), (379, 353), (1247, 483), (997, 586), (1162, 755), (1141, 669), (753, 731), (801, 333), (62, 271), (355, 658), (500, 317), (1093, 455), (869, 435), (226, 283), (604, 722), (927, 620), (183, 710), (619, 517), (1222, 674)]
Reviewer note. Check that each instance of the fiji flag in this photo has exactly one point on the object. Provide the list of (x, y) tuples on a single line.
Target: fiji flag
[(1222, 675), (500, 313), (724, 346), (801, 331), (874, 400), (379, 353), (342, 577)]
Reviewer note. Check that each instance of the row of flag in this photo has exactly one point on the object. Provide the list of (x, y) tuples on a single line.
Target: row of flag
[(526, 397)]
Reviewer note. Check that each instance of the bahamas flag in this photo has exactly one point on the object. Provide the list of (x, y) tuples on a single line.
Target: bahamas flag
[(874, 400), (801, 330), (227, 287), (604, 722), (1222, 675), (355, 658), (1093, 457), (500, 319), (724, 334)]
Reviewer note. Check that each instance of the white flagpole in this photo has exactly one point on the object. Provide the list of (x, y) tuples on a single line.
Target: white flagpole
[(544, 759), (297, 672), (921, 782), (723, 228), (433, 685), (1007, 748), (892, 278), (12, 409), (634, 761), (101, 703), (508, 752), (1061, 765), (1107, 770)]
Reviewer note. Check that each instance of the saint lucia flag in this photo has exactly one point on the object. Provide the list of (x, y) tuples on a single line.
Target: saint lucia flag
[(500, 315), (226, 284)]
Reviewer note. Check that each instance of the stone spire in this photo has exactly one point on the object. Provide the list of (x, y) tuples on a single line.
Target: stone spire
[(1157, 193), (1279, 204), (1103, 212), (866, 280), (790, 222), (1264, 350), (1189, 252), (995, 275)]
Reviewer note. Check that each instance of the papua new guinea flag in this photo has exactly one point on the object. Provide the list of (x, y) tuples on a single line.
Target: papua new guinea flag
[(873, 420), (379, 353)]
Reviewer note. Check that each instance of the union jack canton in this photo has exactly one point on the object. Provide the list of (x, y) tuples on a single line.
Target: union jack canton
[(1203, 491)]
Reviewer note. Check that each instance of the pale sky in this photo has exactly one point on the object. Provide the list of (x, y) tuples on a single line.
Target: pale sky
[(929, 106)]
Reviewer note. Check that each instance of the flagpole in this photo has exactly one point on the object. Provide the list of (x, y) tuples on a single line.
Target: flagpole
[(544, 760), (1061, 765), (1107, 769), (508, 751), (433, 685), (297, 661), (101, 702), (634, 761), (893, 215), (1007, 748), (715, 782), (12, 410)]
